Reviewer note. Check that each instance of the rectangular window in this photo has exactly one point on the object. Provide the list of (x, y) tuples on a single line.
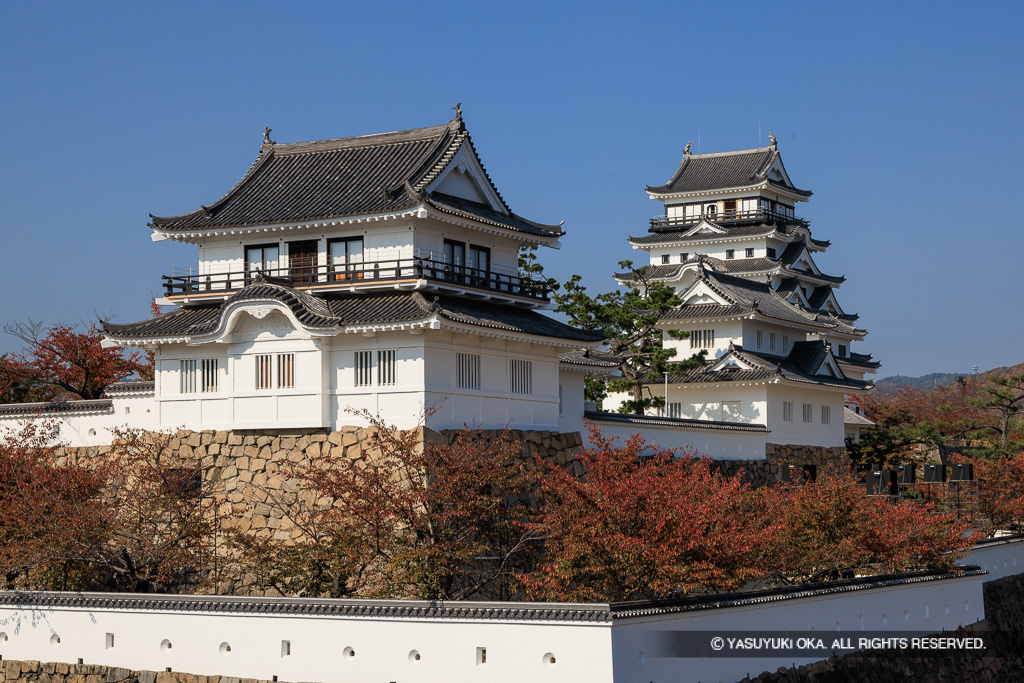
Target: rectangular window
[(785, 343), (264, 376), (684, 257), (386, 367), (674, 410), (364, 368), (842, 350), (787, 411), (702, 339), (750, 252), (664, 258), (286, 370), (771, 252), (760, 338), (771, 342), (467, 370), (730, 253), (808, 413), (262, 258), (209, 375), (521, 376), (826, 414), (345, 259), (187, 373)]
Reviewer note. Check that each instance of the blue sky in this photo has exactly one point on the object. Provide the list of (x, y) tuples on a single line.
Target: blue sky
[(905, 119)]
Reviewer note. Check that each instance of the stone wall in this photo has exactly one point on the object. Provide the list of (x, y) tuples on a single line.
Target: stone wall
[(56, 672), (777, 456), (245, 476)]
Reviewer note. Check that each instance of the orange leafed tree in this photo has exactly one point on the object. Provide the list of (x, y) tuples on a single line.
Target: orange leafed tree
[(60, 362), (642, 524)]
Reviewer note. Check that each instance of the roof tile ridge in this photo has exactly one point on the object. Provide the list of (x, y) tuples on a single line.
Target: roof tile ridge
[(208, 210), (409, 135), (734, 152)]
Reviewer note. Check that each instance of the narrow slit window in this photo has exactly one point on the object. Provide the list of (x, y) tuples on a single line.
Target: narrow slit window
[(364, 368), (264, 378), (787, 411), (286, 370), (521, 376), (771, 342), (386, 367), (826, 414), (467, 371), (187, 371), (210, 367)]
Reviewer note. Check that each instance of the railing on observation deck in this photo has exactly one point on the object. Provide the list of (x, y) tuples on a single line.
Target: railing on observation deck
[(723, 216), (387, 270)]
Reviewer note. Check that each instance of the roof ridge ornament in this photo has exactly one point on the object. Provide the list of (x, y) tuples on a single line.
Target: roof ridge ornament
[(773, 140), (458, 112), (686, 150), (267, 130)]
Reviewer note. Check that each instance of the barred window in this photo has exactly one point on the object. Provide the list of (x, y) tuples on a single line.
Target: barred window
[(187, 374), (364, 368), (787, 411), (286, 370), (467, 371), (264, 378), (826, 415), (808, 412), (771, 342), (386, 367), (785, 343), (760, 338), (702, 339), (674, 410), (521, 376), (209, 375)]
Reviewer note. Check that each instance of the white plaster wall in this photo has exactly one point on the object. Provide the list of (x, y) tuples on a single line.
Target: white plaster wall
[(927, 607), (725, 331), (430, 235), (92, 428), (798, 432), (571, 388), (624, 650), (383, 647), (782, 347), (721, 445), (999, 559)]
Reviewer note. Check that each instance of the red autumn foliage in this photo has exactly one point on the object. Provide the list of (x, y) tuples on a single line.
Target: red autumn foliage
[(1000, 482), (398, 519), (129, 519), (61, 363), (645, 526), (830, 528)]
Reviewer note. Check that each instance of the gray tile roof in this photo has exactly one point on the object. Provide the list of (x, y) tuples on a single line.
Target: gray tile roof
[(680, 422), (370, 174), (698, 172), (852, 418), (589, 358), (798, 367), (96, 405), (341, 310)]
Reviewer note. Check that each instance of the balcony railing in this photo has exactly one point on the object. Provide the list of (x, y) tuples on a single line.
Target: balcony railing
[(662, 222), (389, 270)]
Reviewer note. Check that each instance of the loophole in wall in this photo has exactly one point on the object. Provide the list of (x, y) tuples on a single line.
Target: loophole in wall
[(548, 659), (225, 648), (348, 653), (54, 640), (414, 657), (165, 645)]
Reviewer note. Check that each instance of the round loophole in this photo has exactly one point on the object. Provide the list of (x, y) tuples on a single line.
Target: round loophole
[(414, 657), (642, 658), (3, 637), (54, 640), (548, 659), (348, 653), (225, 648), (165, 645)]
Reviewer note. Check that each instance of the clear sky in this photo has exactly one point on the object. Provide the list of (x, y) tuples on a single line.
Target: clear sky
[(904, 118)]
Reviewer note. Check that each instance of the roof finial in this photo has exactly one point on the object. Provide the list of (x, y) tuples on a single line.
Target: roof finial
[(266, 136), (772, 139), (686, 150), (458, 111)]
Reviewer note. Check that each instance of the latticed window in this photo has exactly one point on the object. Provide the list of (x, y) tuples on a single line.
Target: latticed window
[(386, 367), (808, 412), (787, 411), (521, 376), (209, 368), (364, 368), (826, 414), (702, 339), (467, 371), (187, 376), (264, 368), (286, 370)]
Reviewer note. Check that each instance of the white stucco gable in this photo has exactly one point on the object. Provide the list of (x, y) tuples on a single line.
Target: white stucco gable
[(464, 177)]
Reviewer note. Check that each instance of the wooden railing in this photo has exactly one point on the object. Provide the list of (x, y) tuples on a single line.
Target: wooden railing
[(414, 268), (723, 216)]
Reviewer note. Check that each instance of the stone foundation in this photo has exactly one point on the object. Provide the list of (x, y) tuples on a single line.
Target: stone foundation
[(56, 672), (762, 472)]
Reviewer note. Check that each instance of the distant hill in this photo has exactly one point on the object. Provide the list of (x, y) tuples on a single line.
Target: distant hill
[(938, 379)]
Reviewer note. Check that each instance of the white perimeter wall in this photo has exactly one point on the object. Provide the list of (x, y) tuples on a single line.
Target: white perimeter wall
[(385, 647), (999, 558), (720, 445), (812, 433), (93, 428)]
